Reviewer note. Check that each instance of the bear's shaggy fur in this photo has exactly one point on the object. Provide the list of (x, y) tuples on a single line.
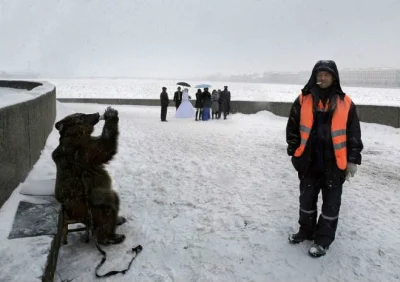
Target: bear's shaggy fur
[(80, 160)]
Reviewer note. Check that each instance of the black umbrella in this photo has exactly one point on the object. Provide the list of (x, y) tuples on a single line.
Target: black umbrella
[(183, 84)]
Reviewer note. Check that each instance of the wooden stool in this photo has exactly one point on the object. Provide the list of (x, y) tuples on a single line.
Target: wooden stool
[(66, 221)]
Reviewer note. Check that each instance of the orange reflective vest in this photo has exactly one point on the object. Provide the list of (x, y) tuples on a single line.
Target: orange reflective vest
[(338, 126)]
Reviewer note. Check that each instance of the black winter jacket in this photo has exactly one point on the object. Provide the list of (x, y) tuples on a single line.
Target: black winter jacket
[(320, 132), (164, 99)]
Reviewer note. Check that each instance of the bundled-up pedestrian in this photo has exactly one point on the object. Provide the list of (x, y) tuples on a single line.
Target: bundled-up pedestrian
[(324, 139)]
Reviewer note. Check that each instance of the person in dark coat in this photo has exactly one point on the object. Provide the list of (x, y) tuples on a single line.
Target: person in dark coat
[(229, 99), (178, 98), (324, 140), (207, 103), (199, 104), (225, 100), (219, 104), (164, 103)]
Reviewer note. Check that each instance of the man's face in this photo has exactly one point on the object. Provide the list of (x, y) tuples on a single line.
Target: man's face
[(324, 79)]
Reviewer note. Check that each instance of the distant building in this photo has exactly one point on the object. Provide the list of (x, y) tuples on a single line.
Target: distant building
[(349, 77), (371, 77)]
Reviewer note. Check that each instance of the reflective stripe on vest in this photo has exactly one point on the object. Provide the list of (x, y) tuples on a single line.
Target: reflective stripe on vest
[(338, 126)]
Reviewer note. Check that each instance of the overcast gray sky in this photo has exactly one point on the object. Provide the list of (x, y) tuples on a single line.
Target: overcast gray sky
[(180, 38)]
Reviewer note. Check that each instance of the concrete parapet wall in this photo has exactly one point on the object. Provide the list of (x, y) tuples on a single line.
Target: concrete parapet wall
[(24, 128), (386, 115)]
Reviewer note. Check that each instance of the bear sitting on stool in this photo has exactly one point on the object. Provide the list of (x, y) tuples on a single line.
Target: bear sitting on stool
[(80, 160)]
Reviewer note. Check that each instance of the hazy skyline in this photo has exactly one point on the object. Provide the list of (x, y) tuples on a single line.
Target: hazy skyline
[(189, 38)]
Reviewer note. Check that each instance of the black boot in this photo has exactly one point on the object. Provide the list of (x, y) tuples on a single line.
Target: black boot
[(197, 113), (213, 114), (317, 250), (300, 237)]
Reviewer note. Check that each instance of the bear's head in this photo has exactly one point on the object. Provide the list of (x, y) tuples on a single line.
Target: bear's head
[(77, 124)]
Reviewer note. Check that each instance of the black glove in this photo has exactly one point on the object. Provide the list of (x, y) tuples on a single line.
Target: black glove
[(290, 151)]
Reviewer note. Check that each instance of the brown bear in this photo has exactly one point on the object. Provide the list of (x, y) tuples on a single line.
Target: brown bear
[(81, 175)]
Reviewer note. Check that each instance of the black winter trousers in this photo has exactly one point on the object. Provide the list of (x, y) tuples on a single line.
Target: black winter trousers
[(164, 113), (331, 187)]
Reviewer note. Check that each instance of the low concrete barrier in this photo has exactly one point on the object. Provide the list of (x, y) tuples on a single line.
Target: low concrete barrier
[(24, 128), (386, 115)]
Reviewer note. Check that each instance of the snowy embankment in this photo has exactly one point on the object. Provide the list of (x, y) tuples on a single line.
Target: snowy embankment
[(215, 201)]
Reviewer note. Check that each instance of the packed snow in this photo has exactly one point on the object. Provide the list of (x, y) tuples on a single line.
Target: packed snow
[(151, 89), (11, 96), (29, 254), (215, 201)]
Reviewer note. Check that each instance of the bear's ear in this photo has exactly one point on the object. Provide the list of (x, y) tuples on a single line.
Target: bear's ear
[(59, 126)]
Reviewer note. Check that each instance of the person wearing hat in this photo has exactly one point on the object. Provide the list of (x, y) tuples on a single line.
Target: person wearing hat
[(164, 103), (324, 141)]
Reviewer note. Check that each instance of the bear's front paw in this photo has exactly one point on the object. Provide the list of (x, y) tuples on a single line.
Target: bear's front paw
[(110, 113)]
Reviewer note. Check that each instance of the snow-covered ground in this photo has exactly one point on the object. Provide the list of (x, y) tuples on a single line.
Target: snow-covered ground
[(215, 201), (151, 88), (29, 254)]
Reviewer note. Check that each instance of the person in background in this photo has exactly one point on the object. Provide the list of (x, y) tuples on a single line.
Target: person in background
[(164, 104), (219, 104), (324, 140), (215, 104), (207, 103), (186, 109), (199, 104), (178, 97), (229, 100), (225, 99)]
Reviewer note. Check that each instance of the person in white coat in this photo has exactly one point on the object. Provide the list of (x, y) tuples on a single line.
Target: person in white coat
[(185, 109)]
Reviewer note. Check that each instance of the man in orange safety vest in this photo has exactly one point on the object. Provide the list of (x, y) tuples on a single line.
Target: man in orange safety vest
[(324, 140)]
